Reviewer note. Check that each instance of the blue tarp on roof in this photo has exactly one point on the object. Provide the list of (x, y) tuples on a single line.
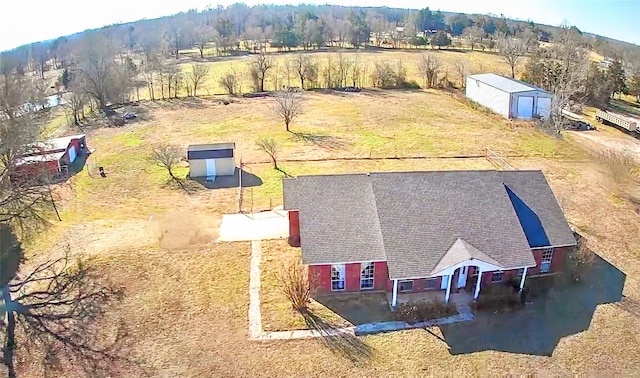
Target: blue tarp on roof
[(533, 229)]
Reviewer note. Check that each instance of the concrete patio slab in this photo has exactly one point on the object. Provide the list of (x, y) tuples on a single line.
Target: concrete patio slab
[(255, 226)]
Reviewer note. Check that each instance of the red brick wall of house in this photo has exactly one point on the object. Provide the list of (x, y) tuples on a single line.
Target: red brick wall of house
[(320, 277), (294, 229), (558, 262)]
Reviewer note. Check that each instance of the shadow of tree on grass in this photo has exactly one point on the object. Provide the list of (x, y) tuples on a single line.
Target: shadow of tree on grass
[(323, 141), (339, 342)]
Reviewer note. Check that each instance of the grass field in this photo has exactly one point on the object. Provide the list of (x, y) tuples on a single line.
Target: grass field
[(277, 77), (186, 297)]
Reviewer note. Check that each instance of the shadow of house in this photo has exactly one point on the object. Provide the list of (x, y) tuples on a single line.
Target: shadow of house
[(566, 309), (358, 308), (225, 182)]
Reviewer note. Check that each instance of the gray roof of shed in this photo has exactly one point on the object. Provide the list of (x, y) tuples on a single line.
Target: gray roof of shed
[(413, 220), (505, 84)]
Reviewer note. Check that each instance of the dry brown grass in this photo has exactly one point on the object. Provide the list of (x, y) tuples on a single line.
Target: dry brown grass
[(187, 298), (476, 61)]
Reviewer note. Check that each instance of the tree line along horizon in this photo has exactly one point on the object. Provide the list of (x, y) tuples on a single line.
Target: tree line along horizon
[(142, 51)]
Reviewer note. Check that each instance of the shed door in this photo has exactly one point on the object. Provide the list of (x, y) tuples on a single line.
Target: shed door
[(525, 107), (72, 154), (211, 167), (544, 107)]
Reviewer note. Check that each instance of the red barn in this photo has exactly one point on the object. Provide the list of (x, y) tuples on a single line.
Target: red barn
[(408, 232), (52, 158)]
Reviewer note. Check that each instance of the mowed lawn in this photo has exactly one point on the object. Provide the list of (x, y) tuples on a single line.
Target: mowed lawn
[(186, 296)]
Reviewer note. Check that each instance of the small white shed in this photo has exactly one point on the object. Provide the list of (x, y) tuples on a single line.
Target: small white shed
[(211, 160), (509, 97)]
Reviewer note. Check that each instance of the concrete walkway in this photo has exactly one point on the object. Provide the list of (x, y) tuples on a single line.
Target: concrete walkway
[(256, 226), (255, 317)]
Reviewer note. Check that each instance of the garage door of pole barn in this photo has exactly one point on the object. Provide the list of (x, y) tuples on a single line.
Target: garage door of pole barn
[(544, 107), (525, 107)]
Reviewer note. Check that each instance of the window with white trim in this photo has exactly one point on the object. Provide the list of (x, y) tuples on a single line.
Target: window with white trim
[(366, 275), (406, 285), (547, 255), (430, 283), (337, 277), (497, 277)]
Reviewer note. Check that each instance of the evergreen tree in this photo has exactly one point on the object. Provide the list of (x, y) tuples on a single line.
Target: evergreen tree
[(617, 76), (441, 39)]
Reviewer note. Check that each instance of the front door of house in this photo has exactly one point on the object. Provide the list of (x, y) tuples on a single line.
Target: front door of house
[(462, 276)]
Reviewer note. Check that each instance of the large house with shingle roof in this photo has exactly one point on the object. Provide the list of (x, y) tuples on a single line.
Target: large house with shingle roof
[(407, 232)]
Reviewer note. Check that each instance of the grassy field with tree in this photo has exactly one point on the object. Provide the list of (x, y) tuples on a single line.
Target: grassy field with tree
[(185, 298)]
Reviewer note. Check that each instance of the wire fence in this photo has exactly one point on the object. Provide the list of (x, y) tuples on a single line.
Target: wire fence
[(497, 160)]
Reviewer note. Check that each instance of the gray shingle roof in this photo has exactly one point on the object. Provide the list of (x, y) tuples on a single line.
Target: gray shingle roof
[(411, 219), (338, 217), (505, 84)]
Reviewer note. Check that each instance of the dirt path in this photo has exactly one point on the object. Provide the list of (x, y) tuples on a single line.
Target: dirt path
[(595, 141)]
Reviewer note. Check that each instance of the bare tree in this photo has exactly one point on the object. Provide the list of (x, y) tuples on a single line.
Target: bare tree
[(169, 156), (258, 70), (196, 76), (105, 80), (511, 49), (294, 282), (329, 72), (271, 148), (22, 203), (343, 65), (383, 75), (306, 68), (57, 306), (473, 35), (204, 34), (229, 82), (287, 106), (429, 67), (461, 67), (571, 83), (76, 101), (173, 75)]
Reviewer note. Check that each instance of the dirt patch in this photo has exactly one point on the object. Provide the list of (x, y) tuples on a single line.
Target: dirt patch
[(597, 141)]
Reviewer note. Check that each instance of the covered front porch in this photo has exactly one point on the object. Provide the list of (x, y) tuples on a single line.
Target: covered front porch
[(454, 272), (461, 299), (462, 285)]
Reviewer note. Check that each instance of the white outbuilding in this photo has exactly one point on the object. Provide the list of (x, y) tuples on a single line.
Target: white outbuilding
[(509, 97), (211, 160)]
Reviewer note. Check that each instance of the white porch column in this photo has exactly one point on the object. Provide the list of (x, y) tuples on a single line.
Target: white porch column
[(524, 275), (394, 294), (476, 292), (446, 295)]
